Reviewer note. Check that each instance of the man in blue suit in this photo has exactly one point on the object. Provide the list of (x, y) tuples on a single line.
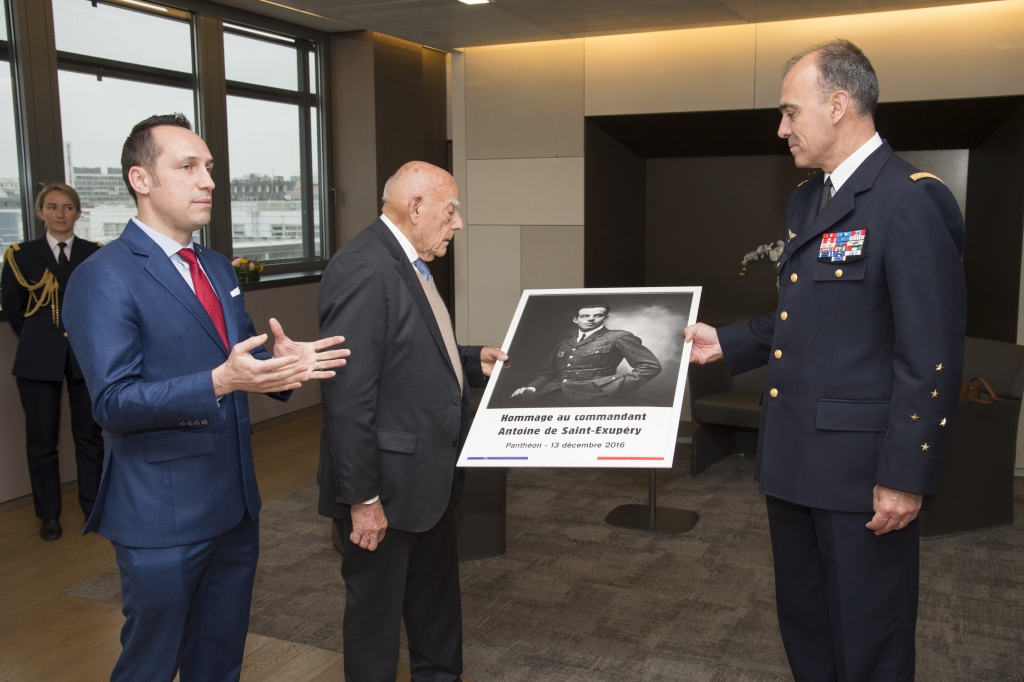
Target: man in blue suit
[(864, 354), (168, 352)]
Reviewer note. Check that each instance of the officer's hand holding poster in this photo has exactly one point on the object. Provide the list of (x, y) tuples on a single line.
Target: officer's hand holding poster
[(595, 377)]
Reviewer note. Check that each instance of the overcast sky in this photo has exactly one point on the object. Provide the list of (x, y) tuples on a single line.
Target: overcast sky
[(96, 116)]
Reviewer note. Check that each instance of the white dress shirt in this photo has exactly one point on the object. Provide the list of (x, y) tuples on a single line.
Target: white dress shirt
[(171, 248), (844, 170), (583, 335), (403, 241), (56, 249)]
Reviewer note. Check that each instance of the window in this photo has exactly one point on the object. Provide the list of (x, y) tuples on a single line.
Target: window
[(107, 85), (273, 145), (12, 229)]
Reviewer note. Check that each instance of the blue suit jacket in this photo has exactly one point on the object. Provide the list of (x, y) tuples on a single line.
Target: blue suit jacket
[(855, 348), (178, 465)]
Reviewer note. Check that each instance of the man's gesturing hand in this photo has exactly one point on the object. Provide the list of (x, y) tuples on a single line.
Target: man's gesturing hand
[(894, 509), (524, 389), (488, 356), (242, 372), (310, 354), (368, 525), (705, 346)]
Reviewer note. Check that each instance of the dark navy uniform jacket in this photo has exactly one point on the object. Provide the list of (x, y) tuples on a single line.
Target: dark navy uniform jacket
[(593, 361), (42, 345), (865, 355)]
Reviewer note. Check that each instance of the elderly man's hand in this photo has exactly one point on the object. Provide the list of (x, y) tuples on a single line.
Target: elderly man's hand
[(524, 389), (488, 356), (705, 346), (894, 509), (368, 525)]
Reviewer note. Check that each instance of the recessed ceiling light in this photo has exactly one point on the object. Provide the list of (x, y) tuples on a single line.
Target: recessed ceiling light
[(474, 2)]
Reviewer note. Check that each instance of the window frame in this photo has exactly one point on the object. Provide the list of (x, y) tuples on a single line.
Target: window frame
[(306, 100), (210, 89)]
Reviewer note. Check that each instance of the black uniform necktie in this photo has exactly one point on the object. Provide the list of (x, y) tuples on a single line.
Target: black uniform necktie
[(62, 259), (826, 194)]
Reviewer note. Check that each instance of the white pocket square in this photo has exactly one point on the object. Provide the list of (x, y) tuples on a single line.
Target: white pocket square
[(235, 292)]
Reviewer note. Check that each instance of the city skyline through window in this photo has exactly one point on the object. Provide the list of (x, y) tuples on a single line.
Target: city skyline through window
[(275, 198)]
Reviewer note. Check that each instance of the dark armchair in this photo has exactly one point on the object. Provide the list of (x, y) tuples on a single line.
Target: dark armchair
[(728, 409), (976, 484)]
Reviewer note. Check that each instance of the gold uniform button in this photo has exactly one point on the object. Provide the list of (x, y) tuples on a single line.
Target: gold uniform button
[(783, 316), (839, 272), (774, 393), (793, 277), (65, 335), (778, 355)]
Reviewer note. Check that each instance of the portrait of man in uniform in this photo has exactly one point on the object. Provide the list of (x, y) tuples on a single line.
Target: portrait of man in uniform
[(593, 348), (583, 368)]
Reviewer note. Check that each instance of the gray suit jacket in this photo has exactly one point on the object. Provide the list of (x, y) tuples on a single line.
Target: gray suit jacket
[(394, 418)]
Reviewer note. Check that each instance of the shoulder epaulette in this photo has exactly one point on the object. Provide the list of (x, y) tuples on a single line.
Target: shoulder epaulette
[(802, 183), (919, 176)]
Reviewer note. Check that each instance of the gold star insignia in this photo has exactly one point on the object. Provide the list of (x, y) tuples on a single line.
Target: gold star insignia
[(924, 448), (914, 417), (943, 422), (935, 394), (792, 235), (938, 367)]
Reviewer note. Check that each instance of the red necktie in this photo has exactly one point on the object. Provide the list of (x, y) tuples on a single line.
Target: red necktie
[(204, 292)]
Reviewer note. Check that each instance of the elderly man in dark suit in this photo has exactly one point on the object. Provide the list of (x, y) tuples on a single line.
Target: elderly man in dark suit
[(393, 425), (582, 368), (864, 358)]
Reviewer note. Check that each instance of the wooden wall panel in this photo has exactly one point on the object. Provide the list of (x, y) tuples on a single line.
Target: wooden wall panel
[(494, 273), (958, 51), (526, 191), (704, 69), (525, 100), (355, 139), (552, 256)]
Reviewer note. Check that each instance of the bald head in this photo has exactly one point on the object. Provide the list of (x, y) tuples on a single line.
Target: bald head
[(422, 201)]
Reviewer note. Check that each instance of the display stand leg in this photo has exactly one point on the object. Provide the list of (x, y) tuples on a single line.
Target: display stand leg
[(652, 517)]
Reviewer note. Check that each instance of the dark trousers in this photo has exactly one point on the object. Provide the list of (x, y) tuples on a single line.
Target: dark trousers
[(187, 607), (846, 598), (41, 402), (410, 575)]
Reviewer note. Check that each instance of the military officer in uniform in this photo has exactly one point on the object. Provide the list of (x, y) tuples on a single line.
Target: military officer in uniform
[(581, 370), (34, 276), (864, 356)]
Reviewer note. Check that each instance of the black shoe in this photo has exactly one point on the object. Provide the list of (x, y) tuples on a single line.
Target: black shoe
[(50, 530)]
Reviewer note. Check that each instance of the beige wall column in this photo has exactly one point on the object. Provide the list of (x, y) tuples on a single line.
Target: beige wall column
[(523, 141), (355, 137)]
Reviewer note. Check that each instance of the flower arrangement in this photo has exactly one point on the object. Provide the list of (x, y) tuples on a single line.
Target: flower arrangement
[(773, 251), (246, 269)]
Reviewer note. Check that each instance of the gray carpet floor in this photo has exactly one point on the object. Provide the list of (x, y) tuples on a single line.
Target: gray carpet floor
[(576, 599)]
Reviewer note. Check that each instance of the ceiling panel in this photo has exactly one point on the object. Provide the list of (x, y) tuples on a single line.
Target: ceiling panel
[(448, 24), (601, 17), (451, 26), (781, 10)]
